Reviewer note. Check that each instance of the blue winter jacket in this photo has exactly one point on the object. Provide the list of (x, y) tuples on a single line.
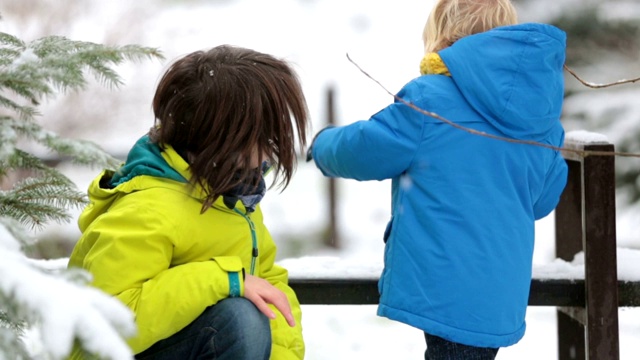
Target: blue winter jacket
[(459, 252)]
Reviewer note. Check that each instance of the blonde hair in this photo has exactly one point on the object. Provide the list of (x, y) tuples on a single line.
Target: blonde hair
[(451, 20)]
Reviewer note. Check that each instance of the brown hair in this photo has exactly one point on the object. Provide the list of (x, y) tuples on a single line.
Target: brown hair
[(451, 20), (218, 107)]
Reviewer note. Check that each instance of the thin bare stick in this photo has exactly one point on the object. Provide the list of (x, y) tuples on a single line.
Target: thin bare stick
[(583, 153), (599, 86)]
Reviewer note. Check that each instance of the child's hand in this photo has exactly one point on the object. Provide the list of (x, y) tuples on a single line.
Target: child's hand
[(261, 293)]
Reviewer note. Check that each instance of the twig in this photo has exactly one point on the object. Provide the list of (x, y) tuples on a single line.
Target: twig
[(599, 86), (583, 153)]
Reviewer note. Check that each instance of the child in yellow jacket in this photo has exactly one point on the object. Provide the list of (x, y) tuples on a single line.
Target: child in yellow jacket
[(177, 233)]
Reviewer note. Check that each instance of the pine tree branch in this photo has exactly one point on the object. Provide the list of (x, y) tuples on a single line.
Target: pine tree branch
[(24, 112), (11, 131), (583, 153), (33, 215), (22, 127), (21, 160), (34, 201), (44, 67), (74, 56), (10, 40), (81, 151), (6, 320), (34, 70), (28, 73), (7, 54)]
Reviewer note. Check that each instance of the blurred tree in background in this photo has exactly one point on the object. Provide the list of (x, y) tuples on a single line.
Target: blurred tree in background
[(603, 46), (608, 43)]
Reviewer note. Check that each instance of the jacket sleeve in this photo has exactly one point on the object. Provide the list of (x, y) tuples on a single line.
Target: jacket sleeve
[(555, 181), (130, 259), (288, 343), (380, 148)]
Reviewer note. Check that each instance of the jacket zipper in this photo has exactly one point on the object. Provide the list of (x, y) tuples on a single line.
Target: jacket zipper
[(254, 241)]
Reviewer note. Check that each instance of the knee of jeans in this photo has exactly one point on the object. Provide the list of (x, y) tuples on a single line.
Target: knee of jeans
[(242, 316)]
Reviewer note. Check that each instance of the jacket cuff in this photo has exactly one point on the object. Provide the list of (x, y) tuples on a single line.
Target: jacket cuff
[(233, 266), (310, 150)]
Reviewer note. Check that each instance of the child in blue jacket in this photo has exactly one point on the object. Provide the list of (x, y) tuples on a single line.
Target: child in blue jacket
[(459, 245)]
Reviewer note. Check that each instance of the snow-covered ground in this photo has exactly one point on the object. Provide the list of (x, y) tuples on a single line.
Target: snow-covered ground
[(382, 37)]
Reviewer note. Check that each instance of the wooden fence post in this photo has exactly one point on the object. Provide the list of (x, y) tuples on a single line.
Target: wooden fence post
[(585, 221), (333, 238)]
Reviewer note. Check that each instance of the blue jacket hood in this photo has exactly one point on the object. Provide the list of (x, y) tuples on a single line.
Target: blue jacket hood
[(506, 74)]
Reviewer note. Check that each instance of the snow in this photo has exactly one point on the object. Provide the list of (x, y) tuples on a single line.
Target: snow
[(628, 260), (7, 242), (382, 37), (332, 267), (26, 56), (62, 310), (585, 137)]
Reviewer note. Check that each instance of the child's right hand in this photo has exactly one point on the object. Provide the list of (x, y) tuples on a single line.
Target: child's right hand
[(261, 293)]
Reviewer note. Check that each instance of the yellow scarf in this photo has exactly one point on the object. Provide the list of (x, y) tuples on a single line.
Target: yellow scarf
[(433, 64)]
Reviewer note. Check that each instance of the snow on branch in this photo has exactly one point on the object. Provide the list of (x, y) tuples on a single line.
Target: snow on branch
[(599, 86), (61, 311)]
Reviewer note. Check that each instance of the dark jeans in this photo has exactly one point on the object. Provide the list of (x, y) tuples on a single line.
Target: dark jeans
[(441, 349), (233, 329)]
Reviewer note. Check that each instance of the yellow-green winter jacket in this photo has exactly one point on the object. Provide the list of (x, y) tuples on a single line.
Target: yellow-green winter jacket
[(146, 242)]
